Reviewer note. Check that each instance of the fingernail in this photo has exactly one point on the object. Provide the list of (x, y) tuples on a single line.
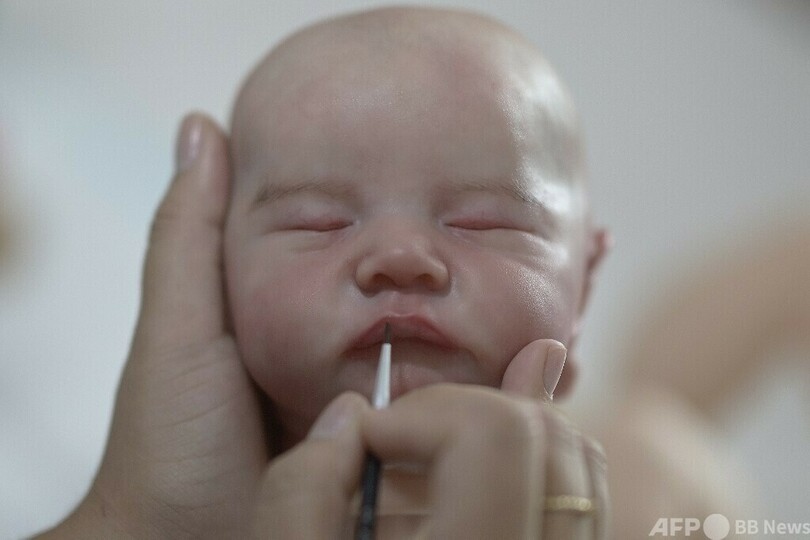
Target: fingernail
[(555, 361), (189, 141), (332, 420)]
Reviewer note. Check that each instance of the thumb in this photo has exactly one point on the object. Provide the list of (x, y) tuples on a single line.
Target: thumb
[(182, 300), (306, 492), (535, 371)]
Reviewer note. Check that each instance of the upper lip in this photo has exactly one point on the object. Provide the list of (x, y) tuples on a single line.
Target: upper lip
[(402, 326)]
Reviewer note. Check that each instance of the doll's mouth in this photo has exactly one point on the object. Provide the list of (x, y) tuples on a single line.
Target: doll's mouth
[(422, 353), (403, 328)]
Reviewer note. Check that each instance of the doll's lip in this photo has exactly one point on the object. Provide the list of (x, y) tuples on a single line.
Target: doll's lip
[(403, 327)]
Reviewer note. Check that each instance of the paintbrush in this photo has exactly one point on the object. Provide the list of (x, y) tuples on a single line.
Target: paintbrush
[(372, 470)]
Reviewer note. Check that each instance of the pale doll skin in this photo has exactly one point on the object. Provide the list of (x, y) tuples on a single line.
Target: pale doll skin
[(416, 165)]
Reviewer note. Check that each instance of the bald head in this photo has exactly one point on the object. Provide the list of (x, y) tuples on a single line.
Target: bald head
[(403, 62)]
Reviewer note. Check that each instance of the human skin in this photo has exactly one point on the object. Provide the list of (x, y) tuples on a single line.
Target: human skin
[(378, 175)]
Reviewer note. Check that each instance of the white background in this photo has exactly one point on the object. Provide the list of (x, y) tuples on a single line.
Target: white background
[(697, 115)]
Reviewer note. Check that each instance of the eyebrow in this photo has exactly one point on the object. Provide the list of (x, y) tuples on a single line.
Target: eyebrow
[(341, 189), (271, 192), (513, 189)]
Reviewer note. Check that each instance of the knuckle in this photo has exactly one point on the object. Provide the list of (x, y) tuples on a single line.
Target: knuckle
[(440, 392), (511, 421), (561, 431), (355, 400), (595, 453), (301, 479), (482, 416), (302, 473)]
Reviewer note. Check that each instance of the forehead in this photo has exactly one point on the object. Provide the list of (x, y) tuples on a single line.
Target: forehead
[(460, 110), (363, 113)]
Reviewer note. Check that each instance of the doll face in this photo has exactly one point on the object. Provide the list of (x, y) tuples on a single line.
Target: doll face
[(431, 191)]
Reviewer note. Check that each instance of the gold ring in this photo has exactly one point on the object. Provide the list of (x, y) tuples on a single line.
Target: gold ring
[(569, 503)]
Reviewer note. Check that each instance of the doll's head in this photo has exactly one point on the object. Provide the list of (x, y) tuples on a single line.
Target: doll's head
[(417, 166)]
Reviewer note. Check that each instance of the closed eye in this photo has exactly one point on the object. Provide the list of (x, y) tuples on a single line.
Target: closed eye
[(480, 225), (320, 225)]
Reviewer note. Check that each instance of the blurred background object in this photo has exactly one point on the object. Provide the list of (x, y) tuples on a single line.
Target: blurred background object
[(730, 334), (696, 115)]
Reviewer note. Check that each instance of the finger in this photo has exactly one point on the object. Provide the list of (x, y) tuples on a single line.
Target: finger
[(535, 371), (566, 474), (597, 468), (306, 492), (182, 300), (483, 450)]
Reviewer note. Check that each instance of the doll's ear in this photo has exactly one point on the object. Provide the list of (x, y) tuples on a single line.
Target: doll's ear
[(599, 245)]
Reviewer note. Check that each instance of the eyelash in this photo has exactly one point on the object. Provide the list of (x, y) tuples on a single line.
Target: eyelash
[(325, 224), (480, 225), (321, 226)]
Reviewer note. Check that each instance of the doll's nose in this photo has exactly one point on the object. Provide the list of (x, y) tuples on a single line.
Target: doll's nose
[(401, 257)]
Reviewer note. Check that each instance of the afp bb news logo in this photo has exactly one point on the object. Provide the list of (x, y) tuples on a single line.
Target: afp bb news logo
[(718, 527)]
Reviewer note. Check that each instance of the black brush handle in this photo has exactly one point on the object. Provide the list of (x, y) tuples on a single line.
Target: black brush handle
[(370, 483)]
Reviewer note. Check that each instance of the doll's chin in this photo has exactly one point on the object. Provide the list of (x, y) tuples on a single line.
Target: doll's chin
[(414, 365), (407, 377)]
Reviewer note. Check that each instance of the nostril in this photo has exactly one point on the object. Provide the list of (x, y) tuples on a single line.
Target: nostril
[(402, 267), (429, 281), (382, 281), (401, 280)]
